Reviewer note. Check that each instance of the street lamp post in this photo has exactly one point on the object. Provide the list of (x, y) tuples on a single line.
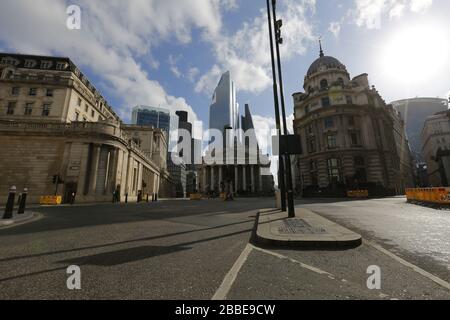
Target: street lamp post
[(279, 40), (281, 175)]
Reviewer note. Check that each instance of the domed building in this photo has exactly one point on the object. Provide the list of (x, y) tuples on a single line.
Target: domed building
[(351, 138)]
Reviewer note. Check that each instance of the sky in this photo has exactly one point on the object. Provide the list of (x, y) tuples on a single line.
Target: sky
[(171, 53)]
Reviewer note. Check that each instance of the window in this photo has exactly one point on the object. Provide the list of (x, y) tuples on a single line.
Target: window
[(310, 130), (46, 64), (28, 109), (61, 66), (324, 84), (334, 170), (314, 174), (15, 91), (311, 145), (329, 123), (349, 99), (359, 161), (360, 172), (33, 92), (77, 116), (306, 109), (355, 138), (351, 121), (11, 107), (93, 114), (29, 64), (49, 93), (86, 107), (326, 102), (46, 110), (340, 81), (79, 102), (331, 141)]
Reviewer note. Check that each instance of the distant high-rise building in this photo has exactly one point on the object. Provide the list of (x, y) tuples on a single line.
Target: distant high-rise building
[(151, 116), (415, 112), (224, 110)]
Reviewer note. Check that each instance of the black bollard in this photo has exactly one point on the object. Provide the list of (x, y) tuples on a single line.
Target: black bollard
[(10, 203), (126, 198), (147, 197), (23, 202)]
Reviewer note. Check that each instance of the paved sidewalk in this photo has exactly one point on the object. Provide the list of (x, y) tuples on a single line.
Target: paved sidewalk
[(19, 219), (307, 229)]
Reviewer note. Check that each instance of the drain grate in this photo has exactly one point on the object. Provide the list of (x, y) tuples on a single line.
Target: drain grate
[(299, 226)]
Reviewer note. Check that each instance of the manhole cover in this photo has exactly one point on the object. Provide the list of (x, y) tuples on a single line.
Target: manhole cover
[(299, 226)]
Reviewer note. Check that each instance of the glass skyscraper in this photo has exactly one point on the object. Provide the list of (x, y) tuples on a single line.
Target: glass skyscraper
[(224, 110), (151, 116)]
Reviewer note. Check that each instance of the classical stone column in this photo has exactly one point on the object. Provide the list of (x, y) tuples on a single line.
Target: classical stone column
[(96, 149), (252, 173), (204, 177), (220, 178), (112, 176), (236, 178), (244, 174), (260, 180), (213, 181)]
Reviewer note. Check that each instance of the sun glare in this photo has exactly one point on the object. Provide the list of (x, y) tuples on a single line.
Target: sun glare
[(416, 53)]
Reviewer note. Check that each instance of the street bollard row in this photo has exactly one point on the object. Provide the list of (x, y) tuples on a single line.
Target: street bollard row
[(22, 200)]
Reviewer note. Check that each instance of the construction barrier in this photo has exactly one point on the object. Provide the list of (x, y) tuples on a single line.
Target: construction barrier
[(358, 194), (196, 196), (51, 200), (429, 195)]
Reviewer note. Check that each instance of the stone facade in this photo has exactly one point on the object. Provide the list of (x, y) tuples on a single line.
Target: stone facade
[(351, 138), (54, 122), (436, 149)]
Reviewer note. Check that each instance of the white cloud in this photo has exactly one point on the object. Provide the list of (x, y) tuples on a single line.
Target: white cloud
[(335, 28), (369, 13), (173, 65), (246, 52), (114, 37)]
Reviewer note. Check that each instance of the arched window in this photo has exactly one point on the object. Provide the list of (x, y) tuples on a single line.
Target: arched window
[(340, 81), (324, 84)]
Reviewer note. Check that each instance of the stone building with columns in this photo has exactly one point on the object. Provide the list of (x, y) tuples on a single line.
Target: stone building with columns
[(54, 122), (351, 138)]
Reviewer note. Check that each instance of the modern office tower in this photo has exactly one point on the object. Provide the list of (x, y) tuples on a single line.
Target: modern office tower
[(415, 112), (436, 149), (224, 110), (151, 116)]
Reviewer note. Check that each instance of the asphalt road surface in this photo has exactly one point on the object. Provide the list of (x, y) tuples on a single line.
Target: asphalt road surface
[(186, 250), (419, 234)]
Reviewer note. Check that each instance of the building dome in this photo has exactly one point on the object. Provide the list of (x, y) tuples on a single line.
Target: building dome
[(325, 61)]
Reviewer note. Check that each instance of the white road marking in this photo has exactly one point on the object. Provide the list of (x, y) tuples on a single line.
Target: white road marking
[(227, 283), (305, 266), (422, 272)]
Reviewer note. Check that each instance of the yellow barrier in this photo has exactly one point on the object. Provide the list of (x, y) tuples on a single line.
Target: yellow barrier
[(430, 195), (196, 196), (51, 200), (358, 194)]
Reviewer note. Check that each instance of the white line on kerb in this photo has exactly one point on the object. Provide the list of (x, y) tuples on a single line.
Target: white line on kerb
[(422, 272), (227, 283)]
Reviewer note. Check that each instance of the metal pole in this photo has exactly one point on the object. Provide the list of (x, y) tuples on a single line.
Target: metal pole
[(281, 176), (10, 203), (23, 201), (290, 191)]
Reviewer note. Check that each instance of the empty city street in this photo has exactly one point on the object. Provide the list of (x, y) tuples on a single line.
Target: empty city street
[(201, 250)]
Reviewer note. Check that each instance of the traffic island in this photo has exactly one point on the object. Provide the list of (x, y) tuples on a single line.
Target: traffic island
[(306, 230), (19, 219)]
